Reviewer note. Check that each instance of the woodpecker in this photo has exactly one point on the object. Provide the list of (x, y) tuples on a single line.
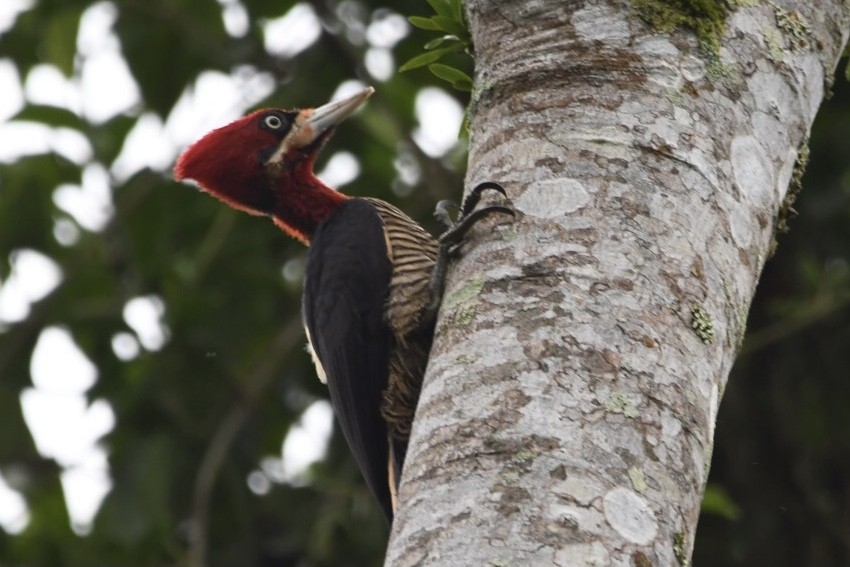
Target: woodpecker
[(373, 279)]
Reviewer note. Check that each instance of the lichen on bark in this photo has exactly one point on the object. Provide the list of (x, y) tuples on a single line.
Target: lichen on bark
[(568, 410), (706, 18)]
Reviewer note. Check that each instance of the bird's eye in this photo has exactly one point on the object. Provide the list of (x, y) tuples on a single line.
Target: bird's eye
[(273, 122)]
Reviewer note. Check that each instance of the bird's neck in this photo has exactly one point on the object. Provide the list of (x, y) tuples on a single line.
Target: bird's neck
[(303, 202)]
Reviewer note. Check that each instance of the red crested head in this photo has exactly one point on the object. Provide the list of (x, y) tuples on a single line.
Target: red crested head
[(227, 162), (263, 163)]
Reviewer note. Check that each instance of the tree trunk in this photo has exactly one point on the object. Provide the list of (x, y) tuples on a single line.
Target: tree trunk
[(582, 350)]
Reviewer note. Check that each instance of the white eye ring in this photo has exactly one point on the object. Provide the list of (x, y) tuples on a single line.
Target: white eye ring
[(273, 122)]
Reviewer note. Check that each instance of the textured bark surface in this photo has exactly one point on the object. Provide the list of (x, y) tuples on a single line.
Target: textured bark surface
[(581, 353)]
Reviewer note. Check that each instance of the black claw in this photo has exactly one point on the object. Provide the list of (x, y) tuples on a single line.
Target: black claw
[(475, 195), (456, 233)]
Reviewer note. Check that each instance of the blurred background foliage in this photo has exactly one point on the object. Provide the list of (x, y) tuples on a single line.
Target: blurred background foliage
[(200, 414)]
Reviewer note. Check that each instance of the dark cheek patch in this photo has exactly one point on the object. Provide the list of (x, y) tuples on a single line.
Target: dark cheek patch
[(265, 154)]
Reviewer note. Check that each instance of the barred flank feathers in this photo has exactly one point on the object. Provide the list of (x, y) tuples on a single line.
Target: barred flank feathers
[(413, 253)]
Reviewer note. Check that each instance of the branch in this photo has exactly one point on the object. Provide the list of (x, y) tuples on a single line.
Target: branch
[(818, 310)]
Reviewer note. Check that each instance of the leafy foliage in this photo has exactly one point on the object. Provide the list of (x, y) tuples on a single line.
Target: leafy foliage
[(449, 20)]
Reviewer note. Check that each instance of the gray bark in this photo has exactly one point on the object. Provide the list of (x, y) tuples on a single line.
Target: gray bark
[(581, 352)]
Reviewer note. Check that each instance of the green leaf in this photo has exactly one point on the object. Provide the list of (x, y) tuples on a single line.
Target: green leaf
[(59, 41), (427, 58), (718, 502), (423, 23), (463, 86), (450, 25), (456, 77), (50, 116), (442, 7), (457, 7), (441, 40), (420, 60)]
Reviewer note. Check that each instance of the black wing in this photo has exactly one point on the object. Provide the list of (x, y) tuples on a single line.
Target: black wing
[(345, 290)]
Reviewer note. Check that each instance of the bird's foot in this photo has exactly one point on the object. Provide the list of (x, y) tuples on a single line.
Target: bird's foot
[(456, 229), (452, 238)]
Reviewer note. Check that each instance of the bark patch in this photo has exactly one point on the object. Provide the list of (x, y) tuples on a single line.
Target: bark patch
[(630, 515)]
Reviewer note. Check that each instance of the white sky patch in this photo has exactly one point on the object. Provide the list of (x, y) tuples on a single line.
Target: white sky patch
[(102, 64), (235, 18), (12, 95), (380, 63), (347, 88), (387, 29), (125, 346), (211, 102), (257, 481), (144, 316), (85, 487), (10, 10), (272, 468), (66, 232), (408, 169), (72, 145), (293, 270), (214, 100), (100, 104), (45, 84), (353, 16), (58, 366), (64, 426), (33, 276), (342, 168), (14, 514), (94, 33), (146, 145), (439, 117), (293, 32), (18, 139), (306, 442), (90, 203)]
